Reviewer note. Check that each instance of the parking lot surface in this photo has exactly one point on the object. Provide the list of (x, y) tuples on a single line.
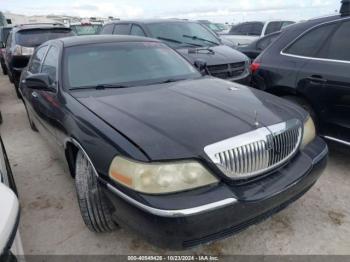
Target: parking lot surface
[(318, 223)]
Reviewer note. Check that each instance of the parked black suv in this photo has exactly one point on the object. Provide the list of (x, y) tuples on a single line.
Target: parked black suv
[(4, 32), (22, 41), (194, 41), (310, 64)]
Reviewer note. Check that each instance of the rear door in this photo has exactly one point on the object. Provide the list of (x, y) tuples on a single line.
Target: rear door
[(307, 76), (331, 68)]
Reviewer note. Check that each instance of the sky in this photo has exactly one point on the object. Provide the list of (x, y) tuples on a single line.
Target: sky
[(231, 11)]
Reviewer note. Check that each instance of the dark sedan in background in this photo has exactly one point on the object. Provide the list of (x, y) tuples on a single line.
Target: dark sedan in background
[(309, 64), (192, 40), (21, 43), (154, 146)]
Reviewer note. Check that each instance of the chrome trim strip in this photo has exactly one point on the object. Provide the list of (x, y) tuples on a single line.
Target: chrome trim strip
[(75, 142), (314, 58), (337, 140), (174, 213), (161, 212)]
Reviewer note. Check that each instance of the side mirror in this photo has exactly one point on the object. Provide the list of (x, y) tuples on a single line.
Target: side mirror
[(9, 207), (201, 65), (40, 81), (2, 45)]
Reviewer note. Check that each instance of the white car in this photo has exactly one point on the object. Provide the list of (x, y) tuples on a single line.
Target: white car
[(10, 241), (245, 33)]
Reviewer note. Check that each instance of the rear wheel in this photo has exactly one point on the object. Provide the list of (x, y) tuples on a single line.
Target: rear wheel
[(94, 206)]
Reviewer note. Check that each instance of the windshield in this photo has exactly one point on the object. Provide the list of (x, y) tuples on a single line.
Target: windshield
[(178, 34), (86, 29), (35, 37), (213, 27), (128, 64)]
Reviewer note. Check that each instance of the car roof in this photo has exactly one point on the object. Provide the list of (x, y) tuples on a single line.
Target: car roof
[(151, 21), (96, 39), (39, 26)]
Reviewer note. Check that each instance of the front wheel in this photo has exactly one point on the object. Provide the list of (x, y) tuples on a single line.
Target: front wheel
[(94, 206)]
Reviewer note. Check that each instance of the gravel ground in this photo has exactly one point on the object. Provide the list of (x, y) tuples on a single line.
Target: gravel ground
[(318, 223)]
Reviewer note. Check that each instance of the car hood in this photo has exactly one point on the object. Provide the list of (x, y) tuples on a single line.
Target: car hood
[(221, 54), (177, 120)]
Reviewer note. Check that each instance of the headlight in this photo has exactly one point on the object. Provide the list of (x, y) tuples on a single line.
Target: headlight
[(160, 178), (22, 50), (309, 132)]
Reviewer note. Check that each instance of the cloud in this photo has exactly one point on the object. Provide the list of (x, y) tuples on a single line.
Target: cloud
[(223, 10)]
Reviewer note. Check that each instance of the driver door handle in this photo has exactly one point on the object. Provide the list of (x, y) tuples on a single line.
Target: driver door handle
[(35, 94), (317, 79)]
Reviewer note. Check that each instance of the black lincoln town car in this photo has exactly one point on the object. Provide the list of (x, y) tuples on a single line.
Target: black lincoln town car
[(154, 146)]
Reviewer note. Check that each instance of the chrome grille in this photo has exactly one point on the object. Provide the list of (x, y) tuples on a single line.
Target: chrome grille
[(227, 71), (258, 151)]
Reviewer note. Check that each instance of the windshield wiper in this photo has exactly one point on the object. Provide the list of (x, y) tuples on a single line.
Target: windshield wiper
[(170, 80), (177, 41), (100, 87), (200, 39)]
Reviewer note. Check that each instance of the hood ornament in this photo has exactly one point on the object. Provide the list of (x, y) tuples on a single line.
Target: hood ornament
[(256, 122)]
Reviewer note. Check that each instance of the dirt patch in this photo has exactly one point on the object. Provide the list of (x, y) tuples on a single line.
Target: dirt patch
[(337, 218), (281, 224), (216, 248), (42, 202)]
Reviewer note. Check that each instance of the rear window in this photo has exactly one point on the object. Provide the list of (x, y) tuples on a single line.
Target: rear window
[(86, 29), (35, 37)]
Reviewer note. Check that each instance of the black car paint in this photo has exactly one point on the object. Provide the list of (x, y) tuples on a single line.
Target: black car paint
[(325, 85), (213, 55), (193, 114)]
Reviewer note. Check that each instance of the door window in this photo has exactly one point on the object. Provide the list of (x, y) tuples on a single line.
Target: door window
[(107, 29), (38, 56), (337, 48), (121, 29), (50, 63), (311, 42), (256, 29), (273, 27), (137, 30), (263, 43)]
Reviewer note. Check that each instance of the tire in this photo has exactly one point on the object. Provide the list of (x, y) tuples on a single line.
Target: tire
[(305, 105), (94, 207)]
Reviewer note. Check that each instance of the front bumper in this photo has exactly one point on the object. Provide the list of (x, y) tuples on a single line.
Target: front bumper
[(171, 221)]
